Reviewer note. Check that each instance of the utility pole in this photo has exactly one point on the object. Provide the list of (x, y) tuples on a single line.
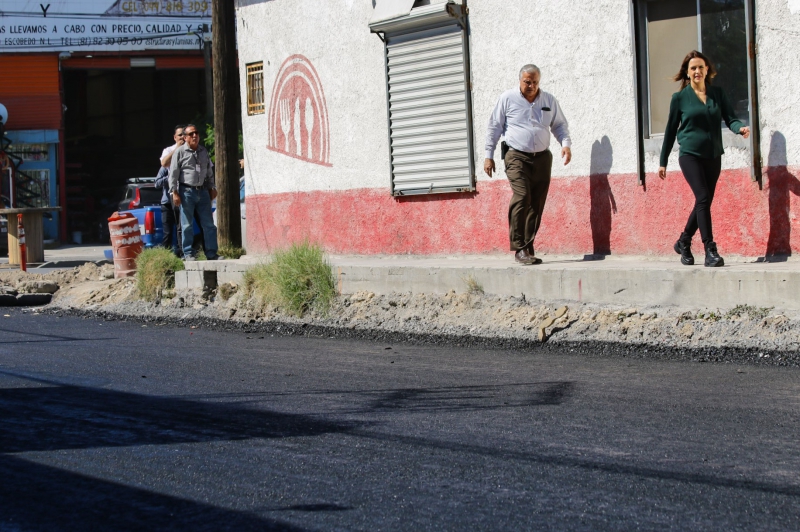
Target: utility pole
[(208, 77), (226, 110)]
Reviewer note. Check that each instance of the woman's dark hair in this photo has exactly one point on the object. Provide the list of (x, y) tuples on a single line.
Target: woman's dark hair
[(683, 75)]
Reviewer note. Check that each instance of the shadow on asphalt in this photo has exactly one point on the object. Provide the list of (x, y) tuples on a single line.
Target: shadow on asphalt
[(39, 497), (47, 337), (429, 399), (50, 416), (54, 417), (457, 398)]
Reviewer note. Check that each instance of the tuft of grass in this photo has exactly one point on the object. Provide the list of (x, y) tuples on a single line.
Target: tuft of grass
[(231, 252), (155, 272), (473, 286), (297, 279), (709, 316), (754, 313)]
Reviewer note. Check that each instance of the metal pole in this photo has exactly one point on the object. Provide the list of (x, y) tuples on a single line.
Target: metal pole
[(62, 186), (756, 164), (12, 202), (636, 31)]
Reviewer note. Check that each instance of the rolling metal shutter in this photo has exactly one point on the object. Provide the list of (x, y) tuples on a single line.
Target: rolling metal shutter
[(428, 98), (429, 126)]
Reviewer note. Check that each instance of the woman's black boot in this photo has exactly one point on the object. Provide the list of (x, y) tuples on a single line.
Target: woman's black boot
[(685, 251), (713, 259)]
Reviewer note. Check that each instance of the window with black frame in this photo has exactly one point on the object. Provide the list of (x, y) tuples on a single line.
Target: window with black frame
[(669, 29)]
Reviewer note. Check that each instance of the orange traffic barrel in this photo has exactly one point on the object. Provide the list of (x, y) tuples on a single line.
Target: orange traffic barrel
[(126, 242)]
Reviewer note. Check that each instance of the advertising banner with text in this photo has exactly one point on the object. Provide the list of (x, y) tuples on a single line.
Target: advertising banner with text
[(103, 25)]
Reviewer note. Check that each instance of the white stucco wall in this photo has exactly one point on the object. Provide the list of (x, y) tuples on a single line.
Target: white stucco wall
[(584, 49), (778, 37), (585, 57), (334, 35)]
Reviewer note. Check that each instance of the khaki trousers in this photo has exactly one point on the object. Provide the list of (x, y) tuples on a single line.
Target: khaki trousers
[(529, 176)]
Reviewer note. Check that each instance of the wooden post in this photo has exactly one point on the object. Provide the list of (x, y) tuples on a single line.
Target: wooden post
[(34, 234), (226, 114)]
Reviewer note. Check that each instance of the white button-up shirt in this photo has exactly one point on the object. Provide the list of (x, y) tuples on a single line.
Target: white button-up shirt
[(526, 125)]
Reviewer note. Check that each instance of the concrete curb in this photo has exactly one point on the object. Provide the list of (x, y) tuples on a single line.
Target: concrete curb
[(626, 281)]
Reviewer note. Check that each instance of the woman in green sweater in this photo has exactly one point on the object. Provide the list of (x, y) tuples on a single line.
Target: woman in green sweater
[(695, 117)]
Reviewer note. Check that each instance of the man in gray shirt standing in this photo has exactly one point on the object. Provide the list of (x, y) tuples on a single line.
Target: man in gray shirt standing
[(526, 116), (191, 184)]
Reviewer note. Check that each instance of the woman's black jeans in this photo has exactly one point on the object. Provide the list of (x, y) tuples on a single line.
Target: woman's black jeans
[(702, 175)]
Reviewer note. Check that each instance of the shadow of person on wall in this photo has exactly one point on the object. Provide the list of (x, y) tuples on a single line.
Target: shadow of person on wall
[(603, 204), (782, 184)]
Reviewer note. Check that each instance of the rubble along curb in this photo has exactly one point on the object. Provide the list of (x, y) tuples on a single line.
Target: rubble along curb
[(592, 348), (742, 334)]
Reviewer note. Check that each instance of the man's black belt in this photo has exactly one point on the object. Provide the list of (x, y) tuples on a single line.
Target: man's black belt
[(193, 187), (532, 154)]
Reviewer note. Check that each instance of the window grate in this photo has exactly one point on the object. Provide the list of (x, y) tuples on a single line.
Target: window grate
[(255, 88)]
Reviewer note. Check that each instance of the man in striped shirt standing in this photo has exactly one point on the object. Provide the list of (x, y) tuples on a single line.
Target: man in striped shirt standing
[(191, 184), (526, 116)]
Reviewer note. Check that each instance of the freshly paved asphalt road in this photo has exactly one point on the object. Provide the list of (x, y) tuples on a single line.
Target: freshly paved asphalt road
[(113, 426)]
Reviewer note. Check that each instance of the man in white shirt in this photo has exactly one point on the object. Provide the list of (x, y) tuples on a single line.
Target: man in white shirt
[(166, 154), (526, 116)]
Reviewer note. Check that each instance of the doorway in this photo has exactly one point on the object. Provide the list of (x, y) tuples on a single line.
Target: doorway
[(116, 124)]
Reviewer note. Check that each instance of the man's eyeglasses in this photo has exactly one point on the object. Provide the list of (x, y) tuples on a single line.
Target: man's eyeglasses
[(190, 134)]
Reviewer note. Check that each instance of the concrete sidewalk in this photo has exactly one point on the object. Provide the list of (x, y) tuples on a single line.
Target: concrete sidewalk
[(627, 281), (67, 256)]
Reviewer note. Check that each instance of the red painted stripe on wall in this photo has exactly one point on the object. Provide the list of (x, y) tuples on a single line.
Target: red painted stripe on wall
[(584, 215)]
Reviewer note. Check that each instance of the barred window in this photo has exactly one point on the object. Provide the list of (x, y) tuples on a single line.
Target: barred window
[(255, 88)]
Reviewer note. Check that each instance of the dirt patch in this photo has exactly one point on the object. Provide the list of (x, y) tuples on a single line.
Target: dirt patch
[(65, 277), (78, 287)]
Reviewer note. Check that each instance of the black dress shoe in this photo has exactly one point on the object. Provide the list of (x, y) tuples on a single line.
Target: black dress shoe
[(524, 257), (685, 251), (536, 260), (713, 260)]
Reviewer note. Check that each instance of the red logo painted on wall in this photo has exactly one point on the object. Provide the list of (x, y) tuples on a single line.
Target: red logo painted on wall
[(298, 114)]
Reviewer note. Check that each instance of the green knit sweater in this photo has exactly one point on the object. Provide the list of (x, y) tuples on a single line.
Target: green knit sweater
[(697, 125)]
